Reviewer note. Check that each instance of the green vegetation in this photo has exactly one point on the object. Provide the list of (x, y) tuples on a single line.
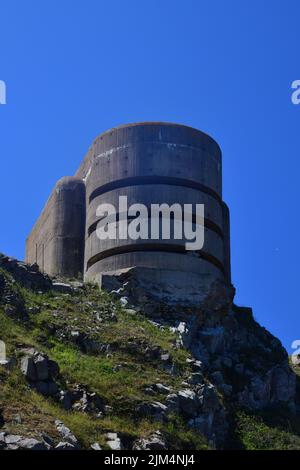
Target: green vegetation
[(119, 376), (114, 352), (263, 432)]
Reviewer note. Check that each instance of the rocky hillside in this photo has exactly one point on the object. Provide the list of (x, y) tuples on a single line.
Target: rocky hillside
[(123, 369)]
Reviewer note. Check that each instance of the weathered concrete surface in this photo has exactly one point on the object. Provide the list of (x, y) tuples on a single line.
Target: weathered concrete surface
[(162, 261), (156, 138), (56, 242), (226, 234), (154, 163), (149, 163)]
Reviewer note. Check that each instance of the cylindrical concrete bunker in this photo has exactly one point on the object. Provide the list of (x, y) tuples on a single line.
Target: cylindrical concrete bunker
[(156, 163)]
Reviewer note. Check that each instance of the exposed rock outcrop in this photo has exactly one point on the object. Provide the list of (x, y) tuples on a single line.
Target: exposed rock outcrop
[(240, 360), (27, 275)]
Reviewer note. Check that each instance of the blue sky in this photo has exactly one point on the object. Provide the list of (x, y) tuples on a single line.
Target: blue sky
[(76, 68)]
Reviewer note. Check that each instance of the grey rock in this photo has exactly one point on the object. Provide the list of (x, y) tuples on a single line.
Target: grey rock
[(28, 368), (85, 401), (49, 442), (42, 388), (277, 386), (197, 365), (208, 398), (96, 446), (78, 285), (9, 363), (162, 389), (203, 423), (48, 388), (114, 441), (65, 399), (75, 334), (32, 444), (39, 370), (41, 366), (213, 339), (91, 346), (124, 301), (260, 389), (65, 446), (130, 311), (172, 403), (153, 442), (28, 351), (28, 275), (149, 391), (53, 369), (12, 439), (165, 357), (283, 384), (155, 409), (66, 433), (188, 402), (195, 378), (108, 409), (15, 442), (62, 287)]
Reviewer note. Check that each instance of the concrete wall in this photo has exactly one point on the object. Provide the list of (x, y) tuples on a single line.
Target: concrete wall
[(149, 163), (56, 242), (227, 251)]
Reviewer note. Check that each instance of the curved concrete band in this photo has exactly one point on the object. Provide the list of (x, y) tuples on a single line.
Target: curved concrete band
[(148, 194), (185, 264)]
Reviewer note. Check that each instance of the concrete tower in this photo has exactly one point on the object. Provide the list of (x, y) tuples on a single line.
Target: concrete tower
[(150, 163)]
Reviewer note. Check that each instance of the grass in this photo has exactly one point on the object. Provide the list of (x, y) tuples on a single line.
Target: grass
[(50, 314), (257, 432), (96, 315)]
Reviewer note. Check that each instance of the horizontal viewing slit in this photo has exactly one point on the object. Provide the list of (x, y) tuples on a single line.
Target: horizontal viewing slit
[(150, 247), (143, 180)]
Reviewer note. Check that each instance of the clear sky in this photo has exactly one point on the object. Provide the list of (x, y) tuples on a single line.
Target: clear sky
[(76, 68)]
